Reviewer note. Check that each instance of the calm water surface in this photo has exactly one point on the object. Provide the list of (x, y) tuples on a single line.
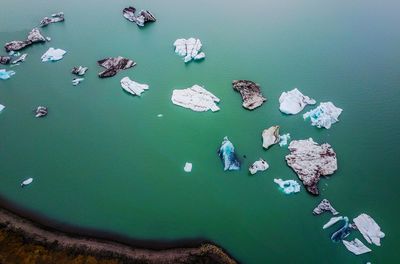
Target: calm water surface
[(103, 159)]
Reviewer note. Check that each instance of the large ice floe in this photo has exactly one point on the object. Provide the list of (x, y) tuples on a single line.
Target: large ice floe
[(288, 186), (114, 65), (228, 156), (311, 161), (141, 19), (293, 102), (33, 37), (250, 92), (196, 98), (324, 206), (370, 230), (324, 115), (342, 232), (189, 49), (133, 87), (53, 54), (356, 246), (57, 17), (270, 136), (259, 165), (4, 75)]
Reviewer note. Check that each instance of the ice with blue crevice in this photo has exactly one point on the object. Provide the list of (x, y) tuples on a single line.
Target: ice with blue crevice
[(228, 156), (324, 115)]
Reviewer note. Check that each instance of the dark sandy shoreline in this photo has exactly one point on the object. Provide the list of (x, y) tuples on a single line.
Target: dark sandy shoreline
[(34, 229)]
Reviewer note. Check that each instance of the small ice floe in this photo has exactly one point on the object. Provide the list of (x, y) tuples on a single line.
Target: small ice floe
[(370, 230), (48, 38), (259, 165), (356, 246), (4, 75), (196, 98), (2, 107), (14, 53), (5, 59), (324, 115), (288, 186), (283, 139), (228, 156), (22, 58), (342, 232), (41, 111), (53, 55), (332, 221), (270, 136), (26, 182), (114, 65), (77, 81), (133, 87), (324, 206), (57, 17), (189, 49), (188, 167), (79, 70), (160, 115), (141, 19), (293, 102)]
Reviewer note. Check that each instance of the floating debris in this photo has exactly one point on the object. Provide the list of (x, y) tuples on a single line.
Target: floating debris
[(189, 49), (133, 87), (196, 98), (228, 156), (58, 17), (114, 65), (293, 102), (324, 115), (250, 92)]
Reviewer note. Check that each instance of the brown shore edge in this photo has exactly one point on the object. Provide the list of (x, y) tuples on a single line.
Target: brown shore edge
[(28, 237)]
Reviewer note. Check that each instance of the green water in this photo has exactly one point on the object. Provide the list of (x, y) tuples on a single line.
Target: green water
[(103, 159)]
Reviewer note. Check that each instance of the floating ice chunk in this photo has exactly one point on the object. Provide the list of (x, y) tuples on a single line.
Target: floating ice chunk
[(324, 206), (369, 229), (79, 70), (250, 92), (20, 59), (143, 17), (41, 111), (293, 102), (27, 182), (324, 115), (58, 17), (4, 75), (188, 167), (5, 59), (283, 139), (270, 136), (332, 221), (53, 55), (342, 232), (133, 87), (196, 98), (77, 81), (289, 186), (356, 246), (259, 165), (160, 115), (228, 156), (2, 107), (189, 49)]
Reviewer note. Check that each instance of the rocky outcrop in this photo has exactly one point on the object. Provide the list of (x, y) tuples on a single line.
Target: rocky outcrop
[(114, 65), (228, 156), (5, 59), (311, 161), (79, 70), (196, 98), (41, 111), (58, 17), (324, 206), (324, 115), (189, 49), (370, 230), (141, 19), (259, 165), (133, 87), (33, 37), (270, 136), (293, 102), (250, 92)]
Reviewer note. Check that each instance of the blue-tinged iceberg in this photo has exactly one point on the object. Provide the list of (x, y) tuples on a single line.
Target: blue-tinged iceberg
[(4, 75), (227, 154), (324, 115), (342, 232), (53, 54), (288, 186)]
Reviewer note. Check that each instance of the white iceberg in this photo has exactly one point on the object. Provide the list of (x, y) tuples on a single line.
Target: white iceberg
[(133, 87), (77, 81), (188, 167), (27, 182), (4, 75), (20, 59), (324, 115), (189, 49), (283, 139), (53, 55), (332, 221), (356, 246), (2, 107), (196, 98), (293, 102), (270, 136), (369, 229), (289, 186), (259, 165)]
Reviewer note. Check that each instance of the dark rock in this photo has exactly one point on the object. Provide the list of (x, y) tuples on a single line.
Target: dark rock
[(250, 92), (5, 59), (33, 37), (58, 17), (324, 206), (114, 65)]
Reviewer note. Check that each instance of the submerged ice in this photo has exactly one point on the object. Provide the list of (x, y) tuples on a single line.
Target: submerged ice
[(228, 156)]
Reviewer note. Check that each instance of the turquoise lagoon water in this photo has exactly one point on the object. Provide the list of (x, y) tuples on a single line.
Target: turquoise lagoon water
[(103, 159)]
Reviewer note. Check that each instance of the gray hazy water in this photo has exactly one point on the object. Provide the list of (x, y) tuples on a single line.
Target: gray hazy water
[(102, 158)]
